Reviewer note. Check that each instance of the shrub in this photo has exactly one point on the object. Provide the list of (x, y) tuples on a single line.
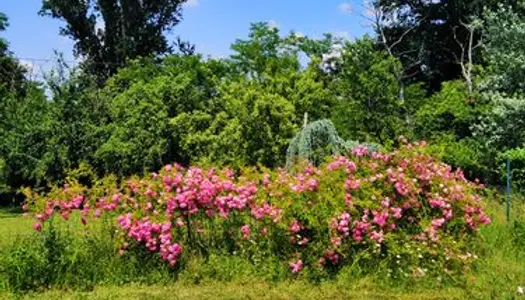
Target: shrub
[(517, 163), (403, 211)]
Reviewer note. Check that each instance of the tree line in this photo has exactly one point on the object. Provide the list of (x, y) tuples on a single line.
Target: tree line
[(449, 72)]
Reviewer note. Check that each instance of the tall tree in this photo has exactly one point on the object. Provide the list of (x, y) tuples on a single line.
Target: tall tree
[(107, 32), (11, 72), (505, 48), (433, 38)]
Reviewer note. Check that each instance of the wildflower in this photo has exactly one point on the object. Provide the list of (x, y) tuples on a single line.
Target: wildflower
[(37, 226), (312, 185), (245, 231), (397, 212), (351, 184), (377, 236), (336, 241), (380, 218), (437, 223), (484, 219), (295, 227), (303, 241), (264, 231), (419, 272), (296, 266)]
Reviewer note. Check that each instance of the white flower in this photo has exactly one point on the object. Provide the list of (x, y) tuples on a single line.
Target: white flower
[(520, 290)]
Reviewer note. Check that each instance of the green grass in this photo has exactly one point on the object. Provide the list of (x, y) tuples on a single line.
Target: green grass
[(12, 226), (248, 290), (497, 274)]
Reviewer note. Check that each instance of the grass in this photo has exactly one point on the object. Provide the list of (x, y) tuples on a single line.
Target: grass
[(247, 290), (497, 274), (12, 226)]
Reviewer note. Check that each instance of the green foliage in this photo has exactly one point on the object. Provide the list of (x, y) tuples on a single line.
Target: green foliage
[(500, 127), (27, 144), (107, 33), (11, 72), (517, 159), (253, 128), (369, 106), (504, 50), (450, 111), (139, 117)]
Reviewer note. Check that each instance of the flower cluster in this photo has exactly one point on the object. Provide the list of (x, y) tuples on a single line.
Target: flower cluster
[(354, 203)]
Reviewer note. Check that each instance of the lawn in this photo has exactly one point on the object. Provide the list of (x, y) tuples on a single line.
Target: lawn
[(249, 290)]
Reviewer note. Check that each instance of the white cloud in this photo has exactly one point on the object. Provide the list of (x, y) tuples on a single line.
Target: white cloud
[(191, 3), (272, 24), (345, 8)]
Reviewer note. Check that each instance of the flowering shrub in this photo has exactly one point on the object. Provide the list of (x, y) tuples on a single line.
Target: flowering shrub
[(401, 209)]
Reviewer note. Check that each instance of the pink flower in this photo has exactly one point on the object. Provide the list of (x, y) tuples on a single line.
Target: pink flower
[(438, 223), (360, 151), (245, 229), (296, 266), (332, 256), (348, 200), (377, 236), (295, 227), (351, 184), (313, 185), (264, 231), (266, 180), (397, 212), (336, 241), (401, 188), (447, 214), (436, 203), (380, 218), (37, 226), (484, 219)]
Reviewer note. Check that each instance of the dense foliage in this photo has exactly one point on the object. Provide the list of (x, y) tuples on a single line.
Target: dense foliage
[(244, 110)]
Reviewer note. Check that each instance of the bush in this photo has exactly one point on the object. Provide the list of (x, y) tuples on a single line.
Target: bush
[(517, 163), (381, 210)]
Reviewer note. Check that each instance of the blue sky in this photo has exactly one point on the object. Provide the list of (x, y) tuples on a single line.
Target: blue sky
[(213, 25)]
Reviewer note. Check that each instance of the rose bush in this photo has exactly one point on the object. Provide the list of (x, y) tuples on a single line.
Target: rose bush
[(402, 210)]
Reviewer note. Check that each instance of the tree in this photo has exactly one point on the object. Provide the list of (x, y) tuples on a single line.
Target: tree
[(422, 32), (505, 49), (108, 32), (12, 74), (367, 88), (316, 141)]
